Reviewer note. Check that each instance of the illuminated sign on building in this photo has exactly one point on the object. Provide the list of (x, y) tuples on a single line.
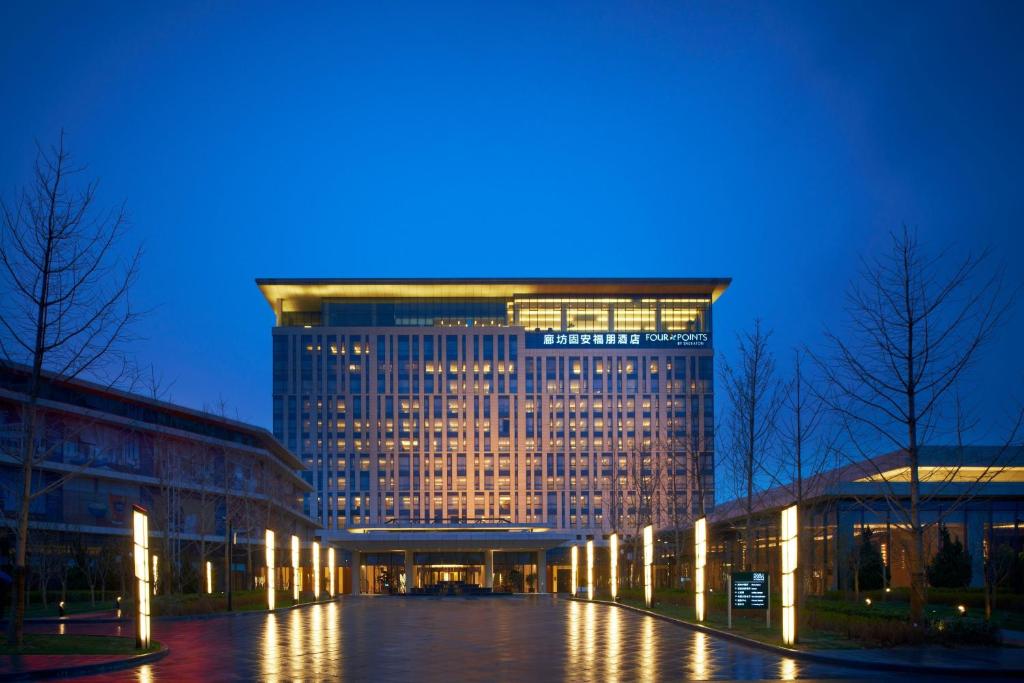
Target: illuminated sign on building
[(617, 340)]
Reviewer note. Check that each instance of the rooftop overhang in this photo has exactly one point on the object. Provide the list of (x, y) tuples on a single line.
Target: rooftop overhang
[(305, 294), (430, 539)]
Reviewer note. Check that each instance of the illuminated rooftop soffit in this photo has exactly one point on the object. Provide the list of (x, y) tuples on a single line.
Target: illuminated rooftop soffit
[(947, 473), (306, 295)]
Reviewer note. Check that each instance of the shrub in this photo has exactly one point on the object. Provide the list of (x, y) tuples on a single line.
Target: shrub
[(871, 569), (951, 566)]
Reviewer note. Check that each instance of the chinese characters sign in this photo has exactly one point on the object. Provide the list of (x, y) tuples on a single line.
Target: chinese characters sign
[(618, 340), (750, 590)]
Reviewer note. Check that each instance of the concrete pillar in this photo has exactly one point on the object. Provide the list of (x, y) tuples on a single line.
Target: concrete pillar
[(973, 544), (409, 574), (542, 571), (845, 543), (488, 569), (356, 561)]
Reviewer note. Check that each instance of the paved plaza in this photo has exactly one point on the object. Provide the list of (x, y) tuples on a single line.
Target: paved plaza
[(385, 638)]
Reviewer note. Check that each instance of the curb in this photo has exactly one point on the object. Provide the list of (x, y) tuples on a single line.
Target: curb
[(88, 669), (818, 656)]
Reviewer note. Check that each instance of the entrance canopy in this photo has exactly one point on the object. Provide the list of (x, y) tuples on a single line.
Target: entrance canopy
[(425, 537)]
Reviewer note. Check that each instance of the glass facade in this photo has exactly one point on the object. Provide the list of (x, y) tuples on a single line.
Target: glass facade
[(435, 409)]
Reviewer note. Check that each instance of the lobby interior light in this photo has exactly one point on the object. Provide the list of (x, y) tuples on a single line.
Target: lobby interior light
[(788, 546), (613, 561), (331, 569), (700, 542), (295, 568), (590, 569), (575, 566), (316, 570), (140, 532), (270, 569), (648, 564)]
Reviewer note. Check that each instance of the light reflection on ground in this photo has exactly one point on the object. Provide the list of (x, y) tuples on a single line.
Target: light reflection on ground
[(448, 639)]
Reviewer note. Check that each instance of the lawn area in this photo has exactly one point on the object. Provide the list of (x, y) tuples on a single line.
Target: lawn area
[(53, 644), (191, 604), (833, 622), (77, 607), (679, 605)]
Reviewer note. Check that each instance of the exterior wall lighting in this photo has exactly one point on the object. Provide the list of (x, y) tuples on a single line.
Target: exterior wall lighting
[(613, 559), (648, 564), (140, 528), (295, 568), (270, 569), (700, 542), (316, 570), (590, 569), (332, 574), (788, 546), (575, 556)]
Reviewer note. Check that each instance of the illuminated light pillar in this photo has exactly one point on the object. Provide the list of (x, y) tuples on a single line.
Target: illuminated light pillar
[(270, 569), (575, 554), (410, 575), (700, 553), (648, 564), (542, 571), (140, 551), (613, 568), (590, 569), (295, 568), (156, 572), (209, 578), (788, 546), (332, 572), (316, 570), (488, 569)]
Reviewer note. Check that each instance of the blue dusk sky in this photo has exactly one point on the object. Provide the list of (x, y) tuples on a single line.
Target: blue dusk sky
[(770, 142)]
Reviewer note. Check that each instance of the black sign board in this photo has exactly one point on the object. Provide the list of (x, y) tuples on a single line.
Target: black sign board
[(750, 590)]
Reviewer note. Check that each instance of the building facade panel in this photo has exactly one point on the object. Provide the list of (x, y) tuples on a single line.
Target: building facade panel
[(578, 405)]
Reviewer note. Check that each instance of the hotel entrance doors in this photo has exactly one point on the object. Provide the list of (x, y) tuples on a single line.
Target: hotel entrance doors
[(433, 575)]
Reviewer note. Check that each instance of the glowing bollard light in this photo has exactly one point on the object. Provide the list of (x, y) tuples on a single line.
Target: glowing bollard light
[(156, 572), (575, 554), (140, 527), (295, 568), (332, 572), (700, 542), (648, 564), (590, 569), (270, 569), (613, 561), (788, 546), (209, 577), (316, 570)]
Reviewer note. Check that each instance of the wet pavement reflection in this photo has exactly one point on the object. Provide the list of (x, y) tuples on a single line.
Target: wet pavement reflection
[(445, 639)]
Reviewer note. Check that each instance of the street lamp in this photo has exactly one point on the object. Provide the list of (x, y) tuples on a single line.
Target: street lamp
[(788, 546), (613, 560), (140, 528), (700, 532), (648, 564), (270, 569)]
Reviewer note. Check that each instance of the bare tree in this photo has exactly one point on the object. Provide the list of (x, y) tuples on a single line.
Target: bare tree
[(916, 324), (754, 400), (64, 311)]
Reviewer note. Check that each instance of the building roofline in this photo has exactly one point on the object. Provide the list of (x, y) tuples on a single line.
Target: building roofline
[(264, 437), (305, 293)]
